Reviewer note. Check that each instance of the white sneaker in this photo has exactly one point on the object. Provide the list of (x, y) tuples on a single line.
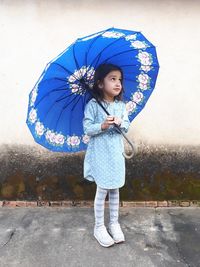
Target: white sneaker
[(116, 232), (103, 237)]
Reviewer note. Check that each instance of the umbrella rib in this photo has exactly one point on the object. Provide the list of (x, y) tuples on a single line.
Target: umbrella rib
[(131, 80), (84, 101), (66, 107), (120, 53), (120, 38), (133, 65), (77, 65), (53, 78), (123, 52), (67, 70), (94, 40), (54, 90), (55, 103), (99, 55), (70, 101), (60, 99), (76, 102)]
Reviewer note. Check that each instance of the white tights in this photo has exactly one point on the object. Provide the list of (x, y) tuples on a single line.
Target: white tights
[(99, 204)]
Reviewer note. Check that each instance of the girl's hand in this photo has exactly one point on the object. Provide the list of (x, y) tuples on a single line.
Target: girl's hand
[(110, 120), (117, 121), (106, 124)]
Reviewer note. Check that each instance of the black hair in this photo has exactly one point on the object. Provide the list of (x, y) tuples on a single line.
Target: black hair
[(100, 73)]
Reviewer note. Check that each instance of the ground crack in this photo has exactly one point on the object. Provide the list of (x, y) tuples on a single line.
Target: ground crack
[(10, 237)]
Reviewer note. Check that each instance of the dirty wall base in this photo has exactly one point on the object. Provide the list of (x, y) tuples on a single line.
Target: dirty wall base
[(155, 173)]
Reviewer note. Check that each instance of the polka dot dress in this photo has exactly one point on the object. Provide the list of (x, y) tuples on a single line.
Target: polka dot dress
[(104, 163)]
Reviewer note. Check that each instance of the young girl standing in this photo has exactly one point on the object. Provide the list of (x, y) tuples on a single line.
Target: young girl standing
[(104, 163)]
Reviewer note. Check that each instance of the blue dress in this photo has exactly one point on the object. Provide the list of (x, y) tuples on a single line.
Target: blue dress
[(104, 163)]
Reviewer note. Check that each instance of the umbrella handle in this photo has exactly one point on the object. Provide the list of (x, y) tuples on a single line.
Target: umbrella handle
[(126, 155)]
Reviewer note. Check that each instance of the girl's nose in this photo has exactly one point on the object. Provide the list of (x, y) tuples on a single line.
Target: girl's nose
[(118, 84)]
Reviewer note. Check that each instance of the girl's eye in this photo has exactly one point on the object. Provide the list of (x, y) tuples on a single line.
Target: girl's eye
[(114, 79)]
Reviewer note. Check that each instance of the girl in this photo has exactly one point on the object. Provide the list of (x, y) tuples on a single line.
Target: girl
[(104, 163)]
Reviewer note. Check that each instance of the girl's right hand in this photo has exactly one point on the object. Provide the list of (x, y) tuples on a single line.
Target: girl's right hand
[(106, 124)]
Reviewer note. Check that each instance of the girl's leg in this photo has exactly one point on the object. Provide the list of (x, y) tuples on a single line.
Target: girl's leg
[(99, 203), (100, 231), (114, 227), (114, 205)]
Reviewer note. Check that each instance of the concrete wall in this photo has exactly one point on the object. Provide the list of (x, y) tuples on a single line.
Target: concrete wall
[(34, 32), (155, 173)]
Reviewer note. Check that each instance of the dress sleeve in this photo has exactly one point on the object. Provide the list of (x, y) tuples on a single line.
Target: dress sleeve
[(90, 127), (125, 120)]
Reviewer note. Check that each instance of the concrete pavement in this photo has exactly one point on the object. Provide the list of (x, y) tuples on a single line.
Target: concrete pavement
[(59, 237)]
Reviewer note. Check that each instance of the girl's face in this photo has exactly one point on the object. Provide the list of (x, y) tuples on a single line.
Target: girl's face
[(111, 85)]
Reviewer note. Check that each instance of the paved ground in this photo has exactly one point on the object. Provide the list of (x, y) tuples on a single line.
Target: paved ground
[(54, 236)]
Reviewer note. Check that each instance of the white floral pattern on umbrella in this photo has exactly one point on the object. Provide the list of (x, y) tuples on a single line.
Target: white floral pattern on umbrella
[(137, 97), (54, 138), (139, 44), (131, 37), (33, 96), (73, 141), (145, 58), (131, 107), (144, 81), (145, 68), (112, 34), (32, 115), (39, 128), (86, 139)]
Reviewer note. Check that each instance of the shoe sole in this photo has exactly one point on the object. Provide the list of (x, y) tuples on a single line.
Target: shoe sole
[(104, 245), (119, 242), (116, 241)]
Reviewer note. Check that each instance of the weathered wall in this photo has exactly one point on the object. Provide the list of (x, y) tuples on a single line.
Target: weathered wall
[(155, 173), (35, 32), (167, 130)]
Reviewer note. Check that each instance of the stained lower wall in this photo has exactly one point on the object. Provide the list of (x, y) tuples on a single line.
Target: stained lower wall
[(155, 173)]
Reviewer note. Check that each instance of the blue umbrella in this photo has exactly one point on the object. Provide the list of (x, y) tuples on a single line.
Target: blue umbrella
[(57, 101)]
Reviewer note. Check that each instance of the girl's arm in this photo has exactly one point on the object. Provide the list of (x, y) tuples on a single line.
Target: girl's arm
[(89, 126)]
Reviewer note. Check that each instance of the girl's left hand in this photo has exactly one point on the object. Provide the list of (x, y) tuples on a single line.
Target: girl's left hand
[(117, 121)]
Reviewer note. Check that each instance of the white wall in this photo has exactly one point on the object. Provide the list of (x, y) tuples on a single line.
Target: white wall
[(34, 32)]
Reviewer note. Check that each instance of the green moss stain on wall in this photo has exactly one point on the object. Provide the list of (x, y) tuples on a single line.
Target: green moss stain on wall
[(14, 186), (164, 186), (155, 173)]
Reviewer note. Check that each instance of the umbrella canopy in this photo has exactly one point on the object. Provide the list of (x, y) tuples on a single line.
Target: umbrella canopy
[(57, 101)]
